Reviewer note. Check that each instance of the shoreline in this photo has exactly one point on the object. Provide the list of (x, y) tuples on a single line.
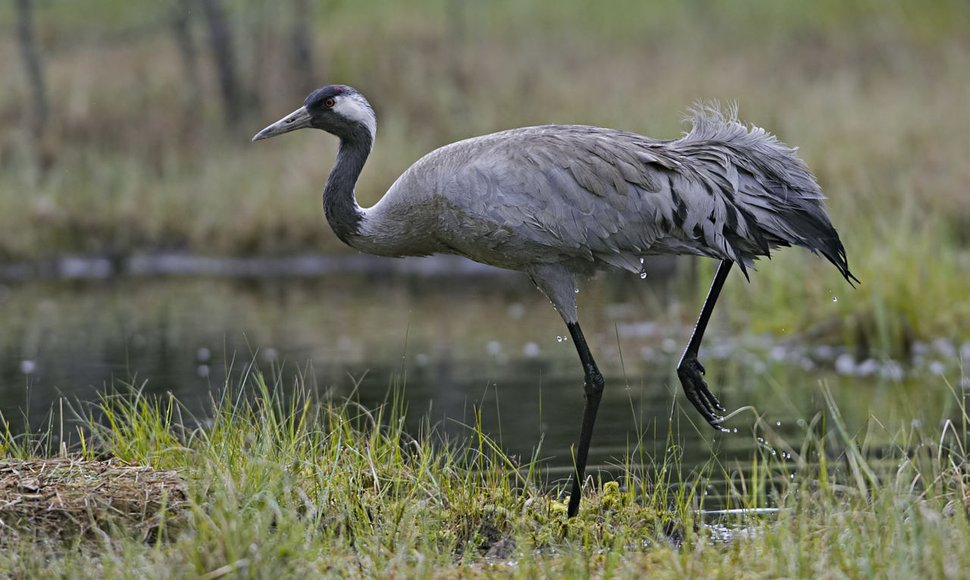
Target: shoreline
[(176, 264)]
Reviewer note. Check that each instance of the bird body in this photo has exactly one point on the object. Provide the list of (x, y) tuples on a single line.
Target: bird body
[(594, 197), (577, 198), (558, 201)]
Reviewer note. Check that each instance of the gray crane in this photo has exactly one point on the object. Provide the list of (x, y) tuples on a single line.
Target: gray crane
[(561, 201)]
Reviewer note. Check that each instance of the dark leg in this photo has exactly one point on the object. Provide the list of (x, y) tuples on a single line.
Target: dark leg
[(690, 370), (593, 388)]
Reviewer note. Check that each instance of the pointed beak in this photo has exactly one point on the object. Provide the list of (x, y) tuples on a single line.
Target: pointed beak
[(298, 119)]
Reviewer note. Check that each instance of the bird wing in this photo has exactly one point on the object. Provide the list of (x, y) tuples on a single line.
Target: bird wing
[(723, 190)]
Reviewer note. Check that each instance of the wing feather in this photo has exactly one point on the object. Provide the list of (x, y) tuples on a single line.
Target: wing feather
[(723, 190)]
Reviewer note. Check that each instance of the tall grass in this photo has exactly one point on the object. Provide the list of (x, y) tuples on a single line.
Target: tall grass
[(282, 481), (872, 92)]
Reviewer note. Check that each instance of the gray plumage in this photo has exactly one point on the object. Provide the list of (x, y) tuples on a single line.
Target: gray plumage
[(558, 201), (589, 197), (579, 198)]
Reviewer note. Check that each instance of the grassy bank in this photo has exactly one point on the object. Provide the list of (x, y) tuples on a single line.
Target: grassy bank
[(872, 92), (274, 485)]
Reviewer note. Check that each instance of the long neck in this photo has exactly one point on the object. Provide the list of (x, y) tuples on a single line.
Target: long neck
[(339, 204)]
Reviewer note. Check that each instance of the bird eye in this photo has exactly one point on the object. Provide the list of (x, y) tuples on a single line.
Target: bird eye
[(329, 103)]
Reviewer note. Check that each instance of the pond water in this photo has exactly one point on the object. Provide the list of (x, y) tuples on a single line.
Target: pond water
[(454, 344)]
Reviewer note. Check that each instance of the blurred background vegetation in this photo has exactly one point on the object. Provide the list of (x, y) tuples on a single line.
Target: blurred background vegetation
[(127, 125)]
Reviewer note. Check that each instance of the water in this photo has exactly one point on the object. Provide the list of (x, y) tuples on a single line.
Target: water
[(456, 345)]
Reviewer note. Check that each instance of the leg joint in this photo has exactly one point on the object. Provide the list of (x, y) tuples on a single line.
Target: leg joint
[(689, 364), (594, 381)]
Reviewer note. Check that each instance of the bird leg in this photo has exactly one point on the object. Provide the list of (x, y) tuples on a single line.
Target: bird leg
[(690, 370), (593, 389)]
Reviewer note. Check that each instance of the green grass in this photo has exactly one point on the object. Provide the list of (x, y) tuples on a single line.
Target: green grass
[(298, 484), (911, 288)]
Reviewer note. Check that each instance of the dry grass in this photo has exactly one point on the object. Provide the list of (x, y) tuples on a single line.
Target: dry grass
[(872, 92), (72, 497)]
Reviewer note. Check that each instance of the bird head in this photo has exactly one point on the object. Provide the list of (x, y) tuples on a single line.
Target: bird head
[(337, 109)]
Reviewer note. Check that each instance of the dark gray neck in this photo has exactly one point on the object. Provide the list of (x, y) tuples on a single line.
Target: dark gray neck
[(339, 204)]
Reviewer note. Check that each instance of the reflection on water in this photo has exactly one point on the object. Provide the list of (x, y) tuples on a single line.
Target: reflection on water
[(456, 345)]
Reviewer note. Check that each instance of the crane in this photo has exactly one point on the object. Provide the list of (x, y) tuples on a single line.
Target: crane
[(562, 201)]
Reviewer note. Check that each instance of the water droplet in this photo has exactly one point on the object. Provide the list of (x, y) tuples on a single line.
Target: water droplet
[(493, 347), (777, 423), (531, 350), (641, 261), (735, 430), (561, 338), (643, 275), (576, 290), (835, 299)]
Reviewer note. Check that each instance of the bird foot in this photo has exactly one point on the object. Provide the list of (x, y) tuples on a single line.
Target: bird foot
[(691, 374)]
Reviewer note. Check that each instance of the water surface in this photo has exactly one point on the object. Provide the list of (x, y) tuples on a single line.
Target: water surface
[(453, 344)]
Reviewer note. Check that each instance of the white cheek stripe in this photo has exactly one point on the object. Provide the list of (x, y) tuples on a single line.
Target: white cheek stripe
[(351, 109)]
